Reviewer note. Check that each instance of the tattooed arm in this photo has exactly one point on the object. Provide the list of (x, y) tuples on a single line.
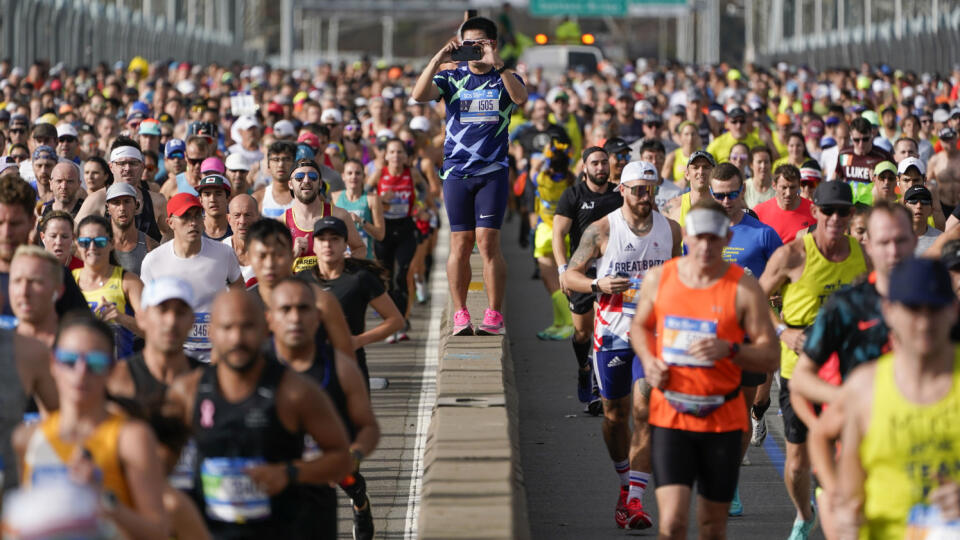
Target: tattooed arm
[(592, 245)]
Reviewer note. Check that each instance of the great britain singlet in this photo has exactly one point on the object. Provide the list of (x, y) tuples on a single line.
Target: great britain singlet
[(307, 259), (627, 255), (398, 194)]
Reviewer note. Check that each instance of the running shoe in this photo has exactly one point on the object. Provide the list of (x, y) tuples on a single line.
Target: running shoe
[(421, 290), (391, 339), (620, 514), (745, 460), (402, 336), (736, 507), (492, 324), (583, 384), (363, 522), (555, 333), (801, 529), (636, 517), (461, 323), (759, 430), (595, 406)]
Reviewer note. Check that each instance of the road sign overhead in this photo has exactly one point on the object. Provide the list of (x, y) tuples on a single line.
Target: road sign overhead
[(579, 8)]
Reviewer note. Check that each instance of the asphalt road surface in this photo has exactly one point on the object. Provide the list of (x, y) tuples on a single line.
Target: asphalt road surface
[(570, 482)]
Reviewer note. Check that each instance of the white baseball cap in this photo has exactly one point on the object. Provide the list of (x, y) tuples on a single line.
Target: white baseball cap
[(166, 288), (331, 115), (66, 129), (639, 170), (704, 221), (246, 122), (236, 162), (908, 162), (284, 128), (120, 189), (420, 123)]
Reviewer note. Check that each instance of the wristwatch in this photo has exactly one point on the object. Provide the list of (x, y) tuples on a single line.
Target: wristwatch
[(501, 69), (734, 349), (780, 328), (561, 269), (595, 285), (293, 472)]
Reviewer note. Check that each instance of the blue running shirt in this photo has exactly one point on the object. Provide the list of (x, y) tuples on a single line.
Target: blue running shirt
[(478, 113), (752, 245)]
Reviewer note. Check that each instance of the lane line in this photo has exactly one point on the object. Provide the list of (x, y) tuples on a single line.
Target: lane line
[(428, 378)]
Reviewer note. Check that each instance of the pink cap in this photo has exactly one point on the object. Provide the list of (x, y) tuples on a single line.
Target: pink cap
[(212, 164)]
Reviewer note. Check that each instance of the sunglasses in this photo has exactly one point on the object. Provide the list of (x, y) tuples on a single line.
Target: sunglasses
[(351, 127), (721, 195), (623, 156), (859, 139), (67, 139), (312, 176), (925, 120), (657, 125), (921, 202), (739, 157), (18, 131), (640, 190), (18, 157), (738, 121), (842, 211), (473, 42), (98, 241), (176, 155), (194, 161), (98, 362)]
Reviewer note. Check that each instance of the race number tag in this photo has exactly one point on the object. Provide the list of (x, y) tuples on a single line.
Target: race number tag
[(182, 475), (242, 104), (926, 521), (480, 106), (679, 333), (199, 338), (230, 494)]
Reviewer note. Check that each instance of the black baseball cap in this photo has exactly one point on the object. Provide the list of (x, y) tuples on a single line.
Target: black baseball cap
[(702, 154), (948, 133), (921, 282), (833, 193), (737, 112), (615, 145), (330, 223), (917, 193)]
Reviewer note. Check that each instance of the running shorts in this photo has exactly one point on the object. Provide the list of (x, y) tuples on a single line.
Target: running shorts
[(543, 241), (752, 378), (582, 303), (614, 371), (794, 430), (476, 201), (712, 460)]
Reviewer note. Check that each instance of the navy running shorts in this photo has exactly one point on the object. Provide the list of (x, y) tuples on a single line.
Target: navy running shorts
[(476, 201), (614, 371)]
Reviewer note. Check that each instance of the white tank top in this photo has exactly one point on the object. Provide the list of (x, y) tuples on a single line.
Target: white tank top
[(270, 208), (630, 255)]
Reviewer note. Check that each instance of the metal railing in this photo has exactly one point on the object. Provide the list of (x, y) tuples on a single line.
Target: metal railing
[(87, 32)]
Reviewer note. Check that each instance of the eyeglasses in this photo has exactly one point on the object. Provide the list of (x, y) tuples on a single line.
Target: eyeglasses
[(67, 139), (640, 190), (281, 159), (18, 131), (98, 362), (312, 176), (859, 139), (128, 163), (842, 211), (195, 162), (721, 195), (98, 241), (622, 156)]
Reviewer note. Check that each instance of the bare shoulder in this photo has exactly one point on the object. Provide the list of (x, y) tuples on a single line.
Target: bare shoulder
[(30, 353), (258, 194), (120, 382)]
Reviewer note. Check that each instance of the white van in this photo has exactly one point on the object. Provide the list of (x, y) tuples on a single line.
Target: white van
[(557, 59)]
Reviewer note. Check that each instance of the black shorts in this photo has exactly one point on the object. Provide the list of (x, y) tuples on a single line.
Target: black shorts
[(582, 303), (712, 460), (752, 378), (794, 430)]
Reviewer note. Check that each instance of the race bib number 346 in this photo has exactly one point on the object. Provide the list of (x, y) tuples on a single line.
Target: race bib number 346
[(480, 106)]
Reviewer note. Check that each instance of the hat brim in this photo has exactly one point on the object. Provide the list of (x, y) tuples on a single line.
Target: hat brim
[(704, 221)]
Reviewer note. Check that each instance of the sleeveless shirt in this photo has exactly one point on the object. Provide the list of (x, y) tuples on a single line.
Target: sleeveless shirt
[(13, 402), (361, 209), (307, 259), (112, 292), (269, 207), (403, 198), (131, 260)]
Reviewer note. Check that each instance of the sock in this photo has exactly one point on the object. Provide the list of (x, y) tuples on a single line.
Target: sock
[(561, 312), (760, 410), (623, 471), (638, 484), (355, 486), (582, 352)]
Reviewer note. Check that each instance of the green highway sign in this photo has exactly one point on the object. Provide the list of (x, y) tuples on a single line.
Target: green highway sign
[(579, 8)]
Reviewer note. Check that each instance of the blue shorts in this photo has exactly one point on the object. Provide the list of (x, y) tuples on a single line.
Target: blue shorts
[(616, 372), (476, 201)]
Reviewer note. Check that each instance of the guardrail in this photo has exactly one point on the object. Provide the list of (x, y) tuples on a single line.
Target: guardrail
[(86, 33), (472, 481)]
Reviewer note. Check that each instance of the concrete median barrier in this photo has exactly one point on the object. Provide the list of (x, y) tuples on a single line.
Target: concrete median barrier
[(472, 481)]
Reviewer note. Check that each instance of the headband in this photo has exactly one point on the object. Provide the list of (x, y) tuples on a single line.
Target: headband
[(121, 152)]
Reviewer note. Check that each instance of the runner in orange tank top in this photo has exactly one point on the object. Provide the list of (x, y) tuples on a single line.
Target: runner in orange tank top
[(688, 331)]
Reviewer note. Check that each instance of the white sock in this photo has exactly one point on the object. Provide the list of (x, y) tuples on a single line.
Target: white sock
[(623, 471), (638, 484)]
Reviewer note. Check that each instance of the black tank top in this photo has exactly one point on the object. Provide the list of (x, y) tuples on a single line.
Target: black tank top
[(146, 220), (323, 370), (248, 429), (145, 385)]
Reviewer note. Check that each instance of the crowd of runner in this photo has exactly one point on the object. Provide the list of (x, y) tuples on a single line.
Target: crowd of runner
[(195, 249)]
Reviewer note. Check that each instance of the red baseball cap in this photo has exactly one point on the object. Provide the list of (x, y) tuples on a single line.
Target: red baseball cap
[(180, 203), (275, 108), (309, 139)]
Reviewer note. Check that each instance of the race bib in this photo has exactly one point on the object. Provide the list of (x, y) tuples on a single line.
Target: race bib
[(230, 494), (8, 322), (199, 337), (679, 333), (310, 448), (630, 296), (927, 523), (480, 106), (182, 475), (49, 474)]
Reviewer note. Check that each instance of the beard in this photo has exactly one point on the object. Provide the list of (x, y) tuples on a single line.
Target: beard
[(599, 179), (305, 197)]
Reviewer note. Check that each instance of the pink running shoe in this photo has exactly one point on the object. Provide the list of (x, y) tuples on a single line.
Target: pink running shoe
[(492, 324), (461, 323)]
